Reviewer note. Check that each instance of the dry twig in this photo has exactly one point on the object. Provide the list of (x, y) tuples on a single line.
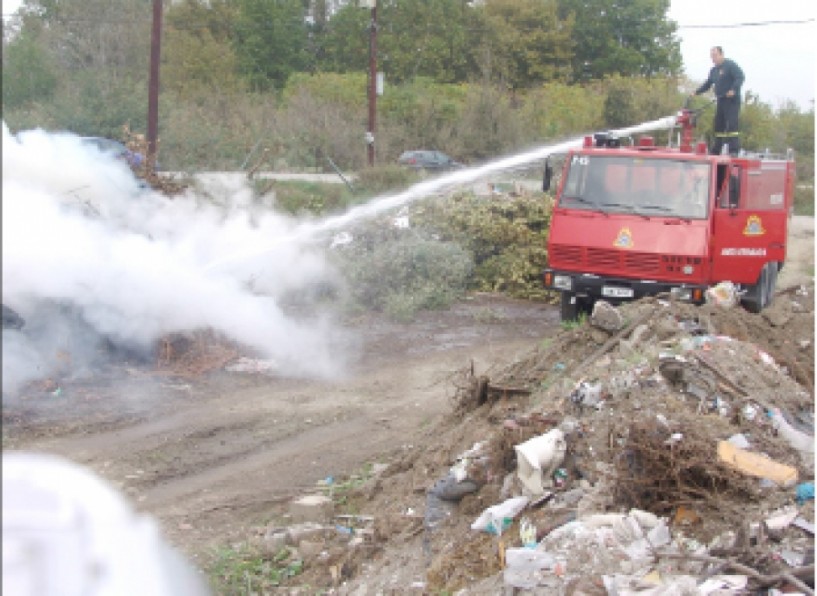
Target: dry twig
[(763, 580)]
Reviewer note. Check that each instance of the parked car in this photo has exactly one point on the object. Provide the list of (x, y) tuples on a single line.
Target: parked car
[(119, 150), (428, 160)]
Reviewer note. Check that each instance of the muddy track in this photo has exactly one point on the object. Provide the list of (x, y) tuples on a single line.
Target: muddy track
[(211, 456)]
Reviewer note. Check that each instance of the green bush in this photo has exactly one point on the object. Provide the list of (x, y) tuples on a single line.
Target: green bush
[(400, 271), (507, 237)]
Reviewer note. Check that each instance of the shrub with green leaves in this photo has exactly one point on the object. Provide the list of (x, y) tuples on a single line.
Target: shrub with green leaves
[(401, 271), (507, 237)]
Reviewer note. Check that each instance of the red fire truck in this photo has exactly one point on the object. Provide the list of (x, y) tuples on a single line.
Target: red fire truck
[(632, 220)]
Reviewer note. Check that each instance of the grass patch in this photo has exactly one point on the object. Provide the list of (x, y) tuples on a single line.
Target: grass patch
[(385, 178), (242, 569), (299, 197), (579, 321), (341, 491)]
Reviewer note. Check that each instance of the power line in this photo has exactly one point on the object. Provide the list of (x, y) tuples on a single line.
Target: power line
[(738, 25)]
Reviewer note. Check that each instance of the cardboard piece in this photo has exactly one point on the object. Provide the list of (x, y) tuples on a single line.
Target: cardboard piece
[(755, 464)]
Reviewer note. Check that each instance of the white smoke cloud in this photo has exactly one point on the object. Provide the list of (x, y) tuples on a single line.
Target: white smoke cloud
[(133, 265)]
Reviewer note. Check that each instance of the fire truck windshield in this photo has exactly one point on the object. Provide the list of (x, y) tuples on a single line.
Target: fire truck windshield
[(641, 185)]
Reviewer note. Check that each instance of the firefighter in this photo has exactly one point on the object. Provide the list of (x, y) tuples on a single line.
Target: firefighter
[(727, 77)]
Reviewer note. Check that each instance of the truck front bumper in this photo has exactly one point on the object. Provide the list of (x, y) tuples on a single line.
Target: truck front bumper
[(617, 290)]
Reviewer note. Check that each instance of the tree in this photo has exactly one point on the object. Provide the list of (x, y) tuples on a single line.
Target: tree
[(422, 114), (426, 38), (270, 41), (415, 38), (632, 100), (28, 72), (625, 37), (343, 46), (524, 42), (100, 35), (196, 47), (488, 125), (90, 57)]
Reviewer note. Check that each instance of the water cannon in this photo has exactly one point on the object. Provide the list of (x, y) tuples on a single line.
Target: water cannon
[(687, 120)]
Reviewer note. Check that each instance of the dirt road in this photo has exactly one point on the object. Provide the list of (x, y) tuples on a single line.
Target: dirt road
[(212, 455)]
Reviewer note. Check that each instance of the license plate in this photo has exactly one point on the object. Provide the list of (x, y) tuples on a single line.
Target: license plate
[(615, 292)]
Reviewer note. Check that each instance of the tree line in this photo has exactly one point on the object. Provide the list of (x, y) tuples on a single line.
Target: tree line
[(286, 79)]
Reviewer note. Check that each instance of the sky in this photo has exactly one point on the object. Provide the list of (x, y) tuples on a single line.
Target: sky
[(778, 60)]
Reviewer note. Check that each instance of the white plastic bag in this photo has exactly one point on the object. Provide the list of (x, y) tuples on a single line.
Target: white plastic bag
[(724, 294), (497, 518)]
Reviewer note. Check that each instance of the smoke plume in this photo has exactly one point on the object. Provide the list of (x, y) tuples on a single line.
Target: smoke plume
[(88, 253)]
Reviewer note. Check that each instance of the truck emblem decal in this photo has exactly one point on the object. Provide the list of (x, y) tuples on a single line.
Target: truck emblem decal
[(624, 239), (754, 226)]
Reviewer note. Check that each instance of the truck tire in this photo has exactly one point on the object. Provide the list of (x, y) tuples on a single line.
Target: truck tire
[(757, 296), (569, 307), (772, 284)]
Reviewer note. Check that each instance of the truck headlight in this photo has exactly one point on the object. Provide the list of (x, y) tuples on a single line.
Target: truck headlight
[(684, 294), (563, 282)]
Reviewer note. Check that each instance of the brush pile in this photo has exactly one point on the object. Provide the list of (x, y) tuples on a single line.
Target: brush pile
[(146, 169), (194, 354)]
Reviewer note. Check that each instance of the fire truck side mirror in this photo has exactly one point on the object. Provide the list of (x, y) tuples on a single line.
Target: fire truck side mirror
[(547, 177)]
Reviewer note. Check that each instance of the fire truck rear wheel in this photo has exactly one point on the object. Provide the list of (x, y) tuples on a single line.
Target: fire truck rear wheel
[(772, 280), (760, 295)]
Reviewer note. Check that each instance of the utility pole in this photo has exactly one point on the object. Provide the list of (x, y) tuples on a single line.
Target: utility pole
[(372, 83), (153, 84)]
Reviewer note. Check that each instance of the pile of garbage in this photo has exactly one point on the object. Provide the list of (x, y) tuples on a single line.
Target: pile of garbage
[(655, 448)]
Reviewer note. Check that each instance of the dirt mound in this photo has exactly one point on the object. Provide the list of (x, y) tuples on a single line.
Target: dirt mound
[(645, 400)]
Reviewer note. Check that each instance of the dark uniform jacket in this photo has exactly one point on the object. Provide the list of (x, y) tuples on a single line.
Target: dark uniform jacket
[(725, 77)]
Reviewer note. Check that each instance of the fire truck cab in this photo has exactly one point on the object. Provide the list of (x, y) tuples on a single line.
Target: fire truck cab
[(638, 220)]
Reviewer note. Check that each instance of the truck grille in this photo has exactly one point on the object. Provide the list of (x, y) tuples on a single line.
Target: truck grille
[(600, 260)]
